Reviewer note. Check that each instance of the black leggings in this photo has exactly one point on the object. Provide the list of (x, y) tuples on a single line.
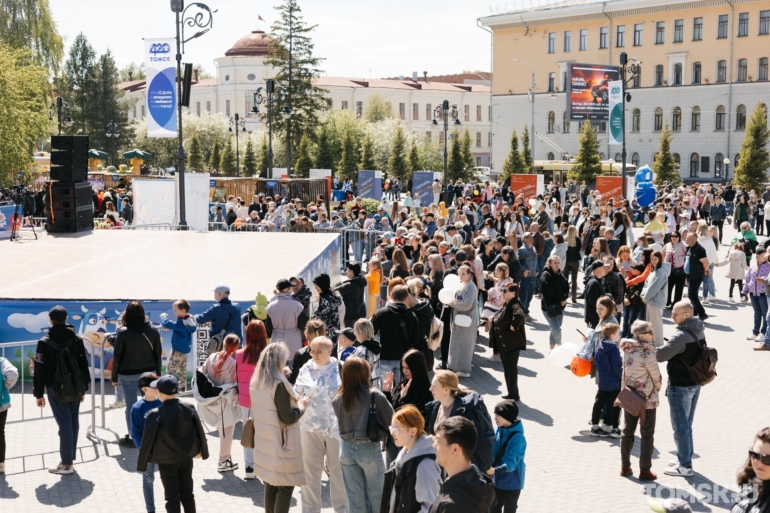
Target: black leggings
[(740, 287), (675, 284), (3, 416), (605, 409)]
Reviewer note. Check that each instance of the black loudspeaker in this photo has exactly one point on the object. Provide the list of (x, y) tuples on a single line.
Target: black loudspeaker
[(70, 220), (69, 158), (71, 196)]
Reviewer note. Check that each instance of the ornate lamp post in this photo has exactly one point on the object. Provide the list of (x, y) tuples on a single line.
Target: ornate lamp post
[(633, 67), (237, 122), (267, 96), (444, 111), (59, 107), (112, 133)]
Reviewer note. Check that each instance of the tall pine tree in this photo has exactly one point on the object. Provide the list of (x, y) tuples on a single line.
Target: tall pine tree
[(526, 152), (754, 161), (456, 164), (348, 165), (397, 161), (262, 162), (250, 158), (415, 163), (227, 163), (215, 158), (514, 163), (587, 163), (304, 161), (664, 166), (80, 76), (195, 155), (324, 158), (367, 155)]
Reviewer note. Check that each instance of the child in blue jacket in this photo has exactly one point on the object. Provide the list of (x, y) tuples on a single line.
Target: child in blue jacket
[(139, 412), (182, 328), (508, 467), (609, 365)]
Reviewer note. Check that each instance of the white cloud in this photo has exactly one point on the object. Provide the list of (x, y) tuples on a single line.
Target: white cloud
[(30, 322)]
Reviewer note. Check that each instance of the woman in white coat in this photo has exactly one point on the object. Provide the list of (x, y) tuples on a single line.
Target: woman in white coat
[(463, 337), (705, 240)]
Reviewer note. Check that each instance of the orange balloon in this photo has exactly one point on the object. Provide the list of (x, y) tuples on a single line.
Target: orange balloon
[(580, 367)]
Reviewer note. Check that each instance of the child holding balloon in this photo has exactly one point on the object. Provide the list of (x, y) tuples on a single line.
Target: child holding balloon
[(609, 365)]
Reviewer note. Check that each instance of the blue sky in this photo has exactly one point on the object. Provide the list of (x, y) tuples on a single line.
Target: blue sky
[(357, 38)]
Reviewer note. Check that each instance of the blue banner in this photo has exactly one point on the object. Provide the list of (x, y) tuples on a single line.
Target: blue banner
[(271, 184), (161, 88), (6, 214), (370, 185), (422, 188)]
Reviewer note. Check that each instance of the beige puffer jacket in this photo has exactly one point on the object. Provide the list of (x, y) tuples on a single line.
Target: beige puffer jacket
[(640, 369)]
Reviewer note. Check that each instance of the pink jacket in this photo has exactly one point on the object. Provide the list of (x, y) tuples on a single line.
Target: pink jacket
[(245, 372)]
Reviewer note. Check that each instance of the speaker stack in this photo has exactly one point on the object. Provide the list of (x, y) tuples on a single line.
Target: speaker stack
[(70, 204)]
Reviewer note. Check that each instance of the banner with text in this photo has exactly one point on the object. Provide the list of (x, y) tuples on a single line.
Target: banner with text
[(527, 185), (370, 184), (161, 88), (6, 218), (616, 112), (422, 188)]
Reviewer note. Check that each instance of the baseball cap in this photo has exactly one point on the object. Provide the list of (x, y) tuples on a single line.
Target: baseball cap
[(349, 334), (58, 314), (461, 256), (283, 284), (167, 385), (222, 289), (670, 506), (596, 217), (597, 264), (146, 379)]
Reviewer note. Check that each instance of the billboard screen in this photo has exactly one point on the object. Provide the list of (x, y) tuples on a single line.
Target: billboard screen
[(588, 93)]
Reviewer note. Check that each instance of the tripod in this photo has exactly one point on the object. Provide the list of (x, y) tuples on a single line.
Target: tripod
[(16, 221)]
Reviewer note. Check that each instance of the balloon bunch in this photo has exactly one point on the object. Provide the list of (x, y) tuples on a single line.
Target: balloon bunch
[(452, 284)]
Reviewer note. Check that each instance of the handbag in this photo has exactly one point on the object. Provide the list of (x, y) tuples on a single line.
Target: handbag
[(554, 310), (373, 423), (247, 434), (631, 400)]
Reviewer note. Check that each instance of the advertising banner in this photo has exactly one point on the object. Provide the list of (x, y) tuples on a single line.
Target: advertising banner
[(97, 182), (161, 87), (528, 185), (588, 92), (6, 215), (370, 184), (616, 112), (610, 187), (422, 188), (154, 201)]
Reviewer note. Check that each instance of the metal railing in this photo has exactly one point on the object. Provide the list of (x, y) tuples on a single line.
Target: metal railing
[(91, 431)]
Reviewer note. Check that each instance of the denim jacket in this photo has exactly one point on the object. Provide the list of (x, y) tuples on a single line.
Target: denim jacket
[(527, 260)]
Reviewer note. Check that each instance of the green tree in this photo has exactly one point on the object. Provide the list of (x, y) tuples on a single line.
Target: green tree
[(664, 166), (324, 158), (195, 155), (587, 164), (415, 164), (397, 161), (456, 165), (250, 159), (137, 72), (22, 104), (754, 161), (377, 109), (304, 162), (367, 155), (295, 67), (227, 162), (215, 157), (514, 163), (262, 162), (28, 24), (80, 75), (470, 162), (526, 152), (348, 165)]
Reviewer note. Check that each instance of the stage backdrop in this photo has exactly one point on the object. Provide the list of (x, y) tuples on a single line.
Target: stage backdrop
[(155, 201)]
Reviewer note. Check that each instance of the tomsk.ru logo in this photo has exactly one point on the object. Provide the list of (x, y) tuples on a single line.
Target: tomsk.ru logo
[(615, 90), (157, 48)]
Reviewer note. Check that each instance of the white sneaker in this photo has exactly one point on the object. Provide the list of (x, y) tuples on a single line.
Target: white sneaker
[(705, 301), (673, 463), (462, 374), (62, 470), (226, 466), (730, 300), (495, 358), (679, 471), (115, 405), (760, 338), (751, 337)]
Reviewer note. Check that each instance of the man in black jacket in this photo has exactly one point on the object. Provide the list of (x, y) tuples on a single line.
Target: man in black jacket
[(46, 363), (593, 291), (352, 292), (173, 436), (466, 488), (399, 331)]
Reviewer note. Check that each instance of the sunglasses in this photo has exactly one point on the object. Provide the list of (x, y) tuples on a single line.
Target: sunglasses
[(764, 458)]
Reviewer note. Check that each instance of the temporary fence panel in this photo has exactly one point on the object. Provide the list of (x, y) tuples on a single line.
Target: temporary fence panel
[(154, 201), (196, 195), (224, 187), (306, 189)]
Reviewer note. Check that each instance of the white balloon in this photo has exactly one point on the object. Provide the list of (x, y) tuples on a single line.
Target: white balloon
[(532, 202), (562, 355), (462, 320), (446, 295), (452, 282)]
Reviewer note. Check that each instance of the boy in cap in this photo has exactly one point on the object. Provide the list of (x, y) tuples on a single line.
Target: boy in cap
[(139, 413), (173, 436), (508, 466), (182, 329)]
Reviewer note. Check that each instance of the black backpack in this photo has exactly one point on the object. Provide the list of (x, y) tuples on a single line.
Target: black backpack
[(703, 371), (69, 383)]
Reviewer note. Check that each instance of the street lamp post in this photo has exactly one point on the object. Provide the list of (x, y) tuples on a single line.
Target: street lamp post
[(267, 95), (634, 68), (726, 162), (240, 126), (532, 102), (59, 108), (443, 112), (112, 133), (204, 20)]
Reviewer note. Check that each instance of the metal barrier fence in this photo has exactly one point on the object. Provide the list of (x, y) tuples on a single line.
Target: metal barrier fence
[(91, 431)]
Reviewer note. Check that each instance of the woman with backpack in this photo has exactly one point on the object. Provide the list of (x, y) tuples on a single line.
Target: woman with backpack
[(451, 400), (246, 361), (8, 377)]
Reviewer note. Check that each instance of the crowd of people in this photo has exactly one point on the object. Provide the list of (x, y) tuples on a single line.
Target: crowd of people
[(361, 380)]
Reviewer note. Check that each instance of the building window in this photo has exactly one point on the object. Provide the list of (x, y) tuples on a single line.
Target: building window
[(603, 37), (583, 40), (764, 22), (658, 119), (552, 42), (489, 113), (551, 82), (676, 119), (636, 120), (227, 108), (694, 164), (478, 112), (677, 160), (718, 163), (638, 34), (428, 112), (428, 136), (697, 29), (677, 74), (568, 41), (720, 119), (549, 156), (489, 140), (601, 156), (344, 105), (743, 24), (360, 110), (695, 119), (736, 160), (208, 106), (478, 139), (743, 70), (722, 27), (659, 75), (618, 157), (740, 117), (635, 160), (402, 111), (678, 31), (551, 122), (638, 78), (601, 128), (722, 71), (467, 112), (660, 32), (564, 123), (415, 112), (696, 73), (620, 36), (564, 81), (762, 71)]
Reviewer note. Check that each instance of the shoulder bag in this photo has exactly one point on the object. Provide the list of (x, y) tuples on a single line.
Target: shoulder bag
[(247, 434), (373, 424), (215, 341), (631, 400)]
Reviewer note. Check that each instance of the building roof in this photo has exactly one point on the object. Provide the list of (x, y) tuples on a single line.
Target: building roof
[(406, 84), (255, 44), (457, 78)]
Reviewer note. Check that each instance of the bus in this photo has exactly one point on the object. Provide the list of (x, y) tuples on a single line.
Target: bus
[(558, 170)]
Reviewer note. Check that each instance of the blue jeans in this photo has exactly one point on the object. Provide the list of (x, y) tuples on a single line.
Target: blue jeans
[(526, 291), (358, 248), (682, 402), (760, 314), (363, 472), (130, 384), (631, 314), (709, 288), (148, 478), (555, 324), (393, 366), (66, 416)]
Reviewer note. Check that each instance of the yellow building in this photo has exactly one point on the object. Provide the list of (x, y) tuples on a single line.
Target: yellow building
[(704, 69)]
